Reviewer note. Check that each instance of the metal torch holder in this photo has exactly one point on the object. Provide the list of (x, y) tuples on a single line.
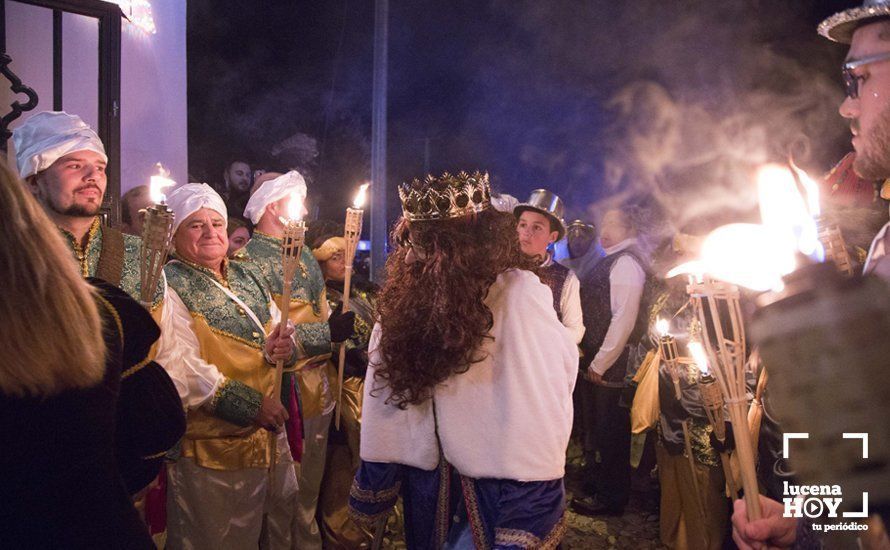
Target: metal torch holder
[(717, 307), (157, 235)]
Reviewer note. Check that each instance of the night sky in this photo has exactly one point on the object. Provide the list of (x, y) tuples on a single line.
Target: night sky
[(667, 101)]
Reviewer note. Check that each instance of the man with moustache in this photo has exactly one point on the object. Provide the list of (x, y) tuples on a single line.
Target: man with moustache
[(236, 185), (866, 75), (63, 161)]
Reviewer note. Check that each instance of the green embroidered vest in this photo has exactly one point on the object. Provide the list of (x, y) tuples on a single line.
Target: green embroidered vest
[(194, 284), (88, 259), (264, 252)]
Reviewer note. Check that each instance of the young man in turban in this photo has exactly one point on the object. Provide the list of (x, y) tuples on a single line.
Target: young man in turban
[(315, 328), (62, 161), (470, 377)]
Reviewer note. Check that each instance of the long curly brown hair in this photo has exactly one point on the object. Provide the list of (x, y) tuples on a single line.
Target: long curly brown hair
[(432, 311)]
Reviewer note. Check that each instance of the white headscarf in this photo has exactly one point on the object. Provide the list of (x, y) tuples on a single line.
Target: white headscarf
[(48, 136), (191, 197), (273, 190)]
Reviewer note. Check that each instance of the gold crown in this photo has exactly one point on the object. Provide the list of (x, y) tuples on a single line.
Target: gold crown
[(445, 197)]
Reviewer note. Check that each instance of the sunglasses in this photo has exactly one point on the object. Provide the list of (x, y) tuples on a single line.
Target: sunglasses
[(851, 81)]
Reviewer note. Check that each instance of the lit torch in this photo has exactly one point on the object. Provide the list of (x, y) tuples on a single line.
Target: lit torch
[(668, 346), (829, 234), (157, 235), (352, 234), (291, 248), (712, 402)]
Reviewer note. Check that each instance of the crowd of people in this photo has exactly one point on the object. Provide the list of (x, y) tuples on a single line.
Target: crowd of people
[(142, 423)]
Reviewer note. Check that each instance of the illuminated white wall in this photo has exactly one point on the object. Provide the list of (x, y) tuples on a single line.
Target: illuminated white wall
[(153, 80)]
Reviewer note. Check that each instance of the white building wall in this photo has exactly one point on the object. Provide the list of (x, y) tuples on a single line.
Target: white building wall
[(154, 125)]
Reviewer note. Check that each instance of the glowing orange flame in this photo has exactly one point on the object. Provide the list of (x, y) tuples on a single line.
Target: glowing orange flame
[(699, 356), (295, 209), (359, 201), (662, 325), (157, 183)]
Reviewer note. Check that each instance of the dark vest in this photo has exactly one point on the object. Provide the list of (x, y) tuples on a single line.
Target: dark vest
[(596, 305), (554, 276)]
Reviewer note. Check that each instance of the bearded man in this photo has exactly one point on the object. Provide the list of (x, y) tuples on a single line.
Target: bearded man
[(866, 74), (470, 377)]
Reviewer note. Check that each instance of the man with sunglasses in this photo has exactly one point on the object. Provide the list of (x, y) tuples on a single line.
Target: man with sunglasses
[(866, 74), (867, 104)]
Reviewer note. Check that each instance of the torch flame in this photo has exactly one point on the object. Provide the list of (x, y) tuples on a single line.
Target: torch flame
[(662, 325), (295, 208), (158, 183), (788, 212), (745, 254), (757, 256), (699, 356), (359, 201)]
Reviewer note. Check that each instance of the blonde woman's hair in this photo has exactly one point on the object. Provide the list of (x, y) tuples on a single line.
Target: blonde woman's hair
[(52, 332)]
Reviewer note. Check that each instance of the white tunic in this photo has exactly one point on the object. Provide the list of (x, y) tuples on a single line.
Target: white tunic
[(508, 417)]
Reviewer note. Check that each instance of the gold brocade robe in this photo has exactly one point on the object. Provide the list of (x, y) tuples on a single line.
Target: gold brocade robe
[(308, 312), (221, 435)]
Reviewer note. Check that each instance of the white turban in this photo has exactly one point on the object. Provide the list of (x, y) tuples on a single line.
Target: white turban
[(273, 190), (48, 136), (191, 197), (504, 202)]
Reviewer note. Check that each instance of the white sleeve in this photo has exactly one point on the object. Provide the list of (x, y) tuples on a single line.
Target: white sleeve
[(195, 379), (570, 305), (626, 282)]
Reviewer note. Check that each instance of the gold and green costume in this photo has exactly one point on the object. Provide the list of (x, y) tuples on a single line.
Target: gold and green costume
[(343, 460), (221, 478), (88, 258), (220, 435), (314, 373)]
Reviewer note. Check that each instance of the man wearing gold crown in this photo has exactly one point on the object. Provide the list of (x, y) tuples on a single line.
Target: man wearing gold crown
[(315, 327), (539, 224), (62, 161), (468, 364), (866, 74), (221, 493)]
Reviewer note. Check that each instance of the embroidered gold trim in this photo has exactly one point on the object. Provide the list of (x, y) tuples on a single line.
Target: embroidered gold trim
[(524, 539), (516, 537), (473, 515), (214, 401), (135, 368), (156, 455), (223, 280), (80, 252), (369, 496), (556, 534), (115, 316), (442, 506), (367, 520)]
